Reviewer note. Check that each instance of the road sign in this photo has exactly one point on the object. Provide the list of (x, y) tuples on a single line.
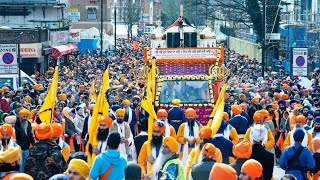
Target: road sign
[(300, 61), (273, 36), (8, 61)]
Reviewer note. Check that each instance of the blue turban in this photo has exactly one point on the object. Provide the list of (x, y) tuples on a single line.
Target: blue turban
[(310, 112), (317, 119), (298, 135), (283, 102)]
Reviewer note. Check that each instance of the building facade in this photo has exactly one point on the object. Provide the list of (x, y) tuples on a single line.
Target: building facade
[(35, 25)]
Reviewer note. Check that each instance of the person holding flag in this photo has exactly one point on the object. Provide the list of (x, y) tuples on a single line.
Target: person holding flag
[(158, 131)]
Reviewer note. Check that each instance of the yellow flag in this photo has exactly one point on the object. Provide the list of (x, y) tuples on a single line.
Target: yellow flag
[(92, 91), (216, 123), (219, 100), (147, 105), (101, 108), (47, 108)]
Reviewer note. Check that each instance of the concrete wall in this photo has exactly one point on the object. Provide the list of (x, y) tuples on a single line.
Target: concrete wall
[(245, 47)]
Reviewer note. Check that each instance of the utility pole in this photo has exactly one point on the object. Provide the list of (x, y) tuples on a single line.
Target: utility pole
[(101, 30), (263, 47), (115, 25)]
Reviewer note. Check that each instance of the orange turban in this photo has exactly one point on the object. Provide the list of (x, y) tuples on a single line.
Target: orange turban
[(57, 130), (285, 86), (209, 150), (275, 106), (243, 106), (242, 96), (107, 120), (24, 112), (223, 171), (21, 176), (82, 87), (298, 106), (316, 144), (5, 89), (172, 143), (242, 149), (63, 97), (254, 100), (162, 112), (205, 132), (28, 99), (252, 168), (6, 129), (277, 96), (117, 98), (236, 109), (43, 131), (260, 115), (285, 97), (159, 126), (126, 102), (120, 112), (190, 111), (301, 119), (225, 116)]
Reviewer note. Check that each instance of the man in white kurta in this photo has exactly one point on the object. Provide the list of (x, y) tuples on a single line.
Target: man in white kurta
[(123, 129)]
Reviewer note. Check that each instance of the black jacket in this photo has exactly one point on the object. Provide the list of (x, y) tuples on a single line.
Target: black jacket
[(70, 128), (266, 159), (139, 141), (316, 157), (202, 170), (237, 164), (23, 139), (45, 160)]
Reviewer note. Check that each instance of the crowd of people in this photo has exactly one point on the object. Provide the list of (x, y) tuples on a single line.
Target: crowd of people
[(267, 121)]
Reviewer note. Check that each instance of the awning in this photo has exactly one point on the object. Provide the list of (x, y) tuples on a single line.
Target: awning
[(63, 50)]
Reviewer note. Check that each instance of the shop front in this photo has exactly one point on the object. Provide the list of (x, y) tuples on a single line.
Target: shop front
[(32, 59)]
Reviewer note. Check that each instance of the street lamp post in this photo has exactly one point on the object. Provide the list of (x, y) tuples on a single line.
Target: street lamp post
[(19, 64), (101, 30), (115, 25), (263, 37)]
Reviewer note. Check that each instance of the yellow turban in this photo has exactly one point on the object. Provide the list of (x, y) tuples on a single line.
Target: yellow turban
[(209, 150), (10, 155), (172, 143), (126, 102), (176, 102), (80, 166), (24, 112), (21, 176), (120, 112), (44, 131)]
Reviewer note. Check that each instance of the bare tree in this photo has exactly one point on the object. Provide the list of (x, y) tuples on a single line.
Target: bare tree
[(131, 14)]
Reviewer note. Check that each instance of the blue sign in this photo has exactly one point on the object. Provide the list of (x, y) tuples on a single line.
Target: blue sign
[(7, 58), (74, 16)]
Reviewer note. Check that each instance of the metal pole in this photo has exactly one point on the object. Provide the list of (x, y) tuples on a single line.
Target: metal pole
[(19, 64), (101, 30), (115, 25), (264, 37)]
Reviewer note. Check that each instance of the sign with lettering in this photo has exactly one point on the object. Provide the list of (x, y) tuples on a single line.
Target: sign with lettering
[(185, 53), (74, 35), (8, 62), (32, 50)]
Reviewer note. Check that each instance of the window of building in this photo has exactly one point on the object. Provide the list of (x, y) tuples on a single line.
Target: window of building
[(92, 13)]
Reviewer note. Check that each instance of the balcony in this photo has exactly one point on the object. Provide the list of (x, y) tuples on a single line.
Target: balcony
[(29, 2)]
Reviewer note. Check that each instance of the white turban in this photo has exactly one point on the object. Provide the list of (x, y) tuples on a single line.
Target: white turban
[(258, 132)]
